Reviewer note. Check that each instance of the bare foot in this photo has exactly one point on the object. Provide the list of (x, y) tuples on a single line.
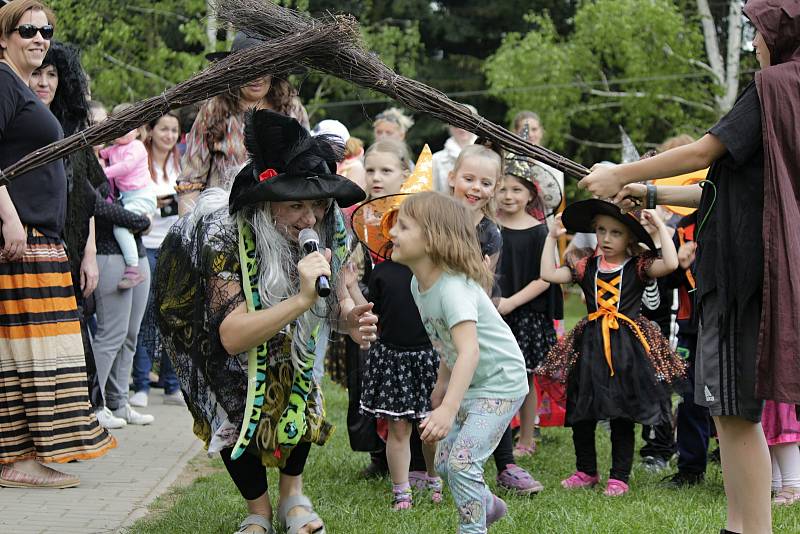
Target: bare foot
[(310, 528)]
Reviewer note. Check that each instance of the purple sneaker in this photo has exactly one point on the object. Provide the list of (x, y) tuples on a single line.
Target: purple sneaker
[(515, 479), (496, 512)]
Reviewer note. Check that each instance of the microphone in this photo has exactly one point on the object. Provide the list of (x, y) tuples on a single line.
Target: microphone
[(309, 241)]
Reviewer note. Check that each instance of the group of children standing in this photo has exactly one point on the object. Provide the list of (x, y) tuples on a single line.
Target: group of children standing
[(468, 289)]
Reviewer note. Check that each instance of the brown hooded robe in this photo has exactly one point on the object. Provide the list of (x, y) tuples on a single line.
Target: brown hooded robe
[(778, 364)]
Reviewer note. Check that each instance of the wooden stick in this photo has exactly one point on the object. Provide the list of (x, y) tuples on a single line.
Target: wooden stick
[(228, 74), (351, 61)]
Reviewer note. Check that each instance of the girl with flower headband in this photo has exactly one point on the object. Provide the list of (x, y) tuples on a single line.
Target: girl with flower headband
[(528, 304), (481, 381), (616, 363), (392, 123)]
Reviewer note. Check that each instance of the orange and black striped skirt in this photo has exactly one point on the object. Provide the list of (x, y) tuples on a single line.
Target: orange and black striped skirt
[(45, 412)]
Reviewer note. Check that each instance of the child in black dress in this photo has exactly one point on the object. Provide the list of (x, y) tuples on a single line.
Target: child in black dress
[(402, 366), (615, 362), (528, 304)]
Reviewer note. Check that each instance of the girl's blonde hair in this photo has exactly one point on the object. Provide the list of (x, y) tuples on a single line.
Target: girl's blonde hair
[(392, 146), (396, 116), (481, 151), (451, 241), (353, 147)]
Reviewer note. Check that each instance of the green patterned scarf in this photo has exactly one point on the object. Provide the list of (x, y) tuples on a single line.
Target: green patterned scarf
[(292, 424)]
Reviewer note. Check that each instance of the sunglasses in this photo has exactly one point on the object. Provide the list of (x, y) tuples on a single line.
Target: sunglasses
[(28, 31)]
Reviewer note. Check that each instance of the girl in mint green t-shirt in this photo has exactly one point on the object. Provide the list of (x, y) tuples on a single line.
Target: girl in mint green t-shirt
[(482, 381)]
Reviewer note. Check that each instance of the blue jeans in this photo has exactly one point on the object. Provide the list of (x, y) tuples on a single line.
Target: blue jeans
[(148, 344)]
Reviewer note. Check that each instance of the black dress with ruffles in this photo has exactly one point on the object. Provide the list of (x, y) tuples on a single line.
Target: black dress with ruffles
[(615, 362)]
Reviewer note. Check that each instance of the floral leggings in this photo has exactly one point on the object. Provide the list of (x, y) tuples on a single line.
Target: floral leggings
[(460, 456)]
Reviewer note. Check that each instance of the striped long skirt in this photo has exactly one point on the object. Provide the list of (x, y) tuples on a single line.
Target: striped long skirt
[(45, 412)]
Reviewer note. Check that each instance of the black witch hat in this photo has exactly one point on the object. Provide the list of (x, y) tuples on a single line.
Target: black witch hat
[(579, 217), (286, 163)]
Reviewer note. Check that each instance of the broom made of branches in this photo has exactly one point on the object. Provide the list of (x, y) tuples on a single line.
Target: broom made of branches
[(228, 74), (350, 61)]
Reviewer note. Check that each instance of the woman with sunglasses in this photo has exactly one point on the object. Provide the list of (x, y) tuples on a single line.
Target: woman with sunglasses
[(45, 417)]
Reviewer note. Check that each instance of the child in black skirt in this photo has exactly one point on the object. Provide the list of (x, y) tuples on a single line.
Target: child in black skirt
[(528, 304), (615, 362), (399, 376)]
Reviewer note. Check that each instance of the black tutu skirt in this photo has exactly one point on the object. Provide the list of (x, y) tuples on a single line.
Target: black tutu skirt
[(398, 383), (639, 389), (535, 335)]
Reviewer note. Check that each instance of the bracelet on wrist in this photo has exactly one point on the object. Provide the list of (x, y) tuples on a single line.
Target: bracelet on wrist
[(652, 191)]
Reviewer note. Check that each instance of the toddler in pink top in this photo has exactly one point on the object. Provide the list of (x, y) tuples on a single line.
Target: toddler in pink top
[(129, 174)]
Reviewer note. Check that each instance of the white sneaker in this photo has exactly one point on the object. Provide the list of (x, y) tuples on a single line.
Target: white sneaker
[(175, 399), (132, 417), (106, 419), (138, 399)]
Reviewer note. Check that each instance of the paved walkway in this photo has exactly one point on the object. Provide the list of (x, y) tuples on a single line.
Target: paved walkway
[(116, 489)]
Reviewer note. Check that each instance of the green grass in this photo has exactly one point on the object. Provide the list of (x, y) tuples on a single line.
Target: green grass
[(353, 506), (349, 505)]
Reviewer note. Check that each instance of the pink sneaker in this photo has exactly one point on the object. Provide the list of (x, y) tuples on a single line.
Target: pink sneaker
[(579, 479), (417, 479), (615, 488), (130, 278), (496, 512)]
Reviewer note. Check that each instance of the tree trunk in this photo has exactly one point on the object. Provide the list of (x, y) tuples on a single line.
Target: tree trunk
[(211, 26), (726, 72)]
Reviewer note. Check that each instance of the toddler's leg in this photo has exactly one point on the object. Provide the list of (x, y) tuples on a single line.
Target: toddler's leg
[(527, 420), (398, 454), (476, 432), (585, 452), (786, 457), (622, 445), (777, 481), (127, 245), (130, 253)]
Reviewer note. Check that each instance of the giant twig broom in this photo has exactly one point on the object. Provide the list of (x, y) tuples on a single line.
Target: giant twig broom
[(228, 74), (350, 61)]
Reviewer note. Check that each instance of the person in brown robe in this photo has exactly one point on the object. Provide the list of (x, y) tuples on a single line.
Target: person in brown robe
[(748, 293)]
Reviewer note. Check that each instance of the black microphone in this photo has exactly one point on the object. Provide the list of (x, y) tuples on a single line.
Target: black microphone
[(309, 241)]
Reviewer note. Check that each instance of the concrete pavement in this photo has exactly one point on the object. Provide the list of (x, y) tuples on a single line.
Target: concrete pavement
[(115, 489)]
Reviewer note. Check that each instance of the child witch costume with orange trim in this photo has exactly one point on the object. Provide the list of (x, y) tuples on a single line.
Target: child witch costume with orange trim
[(615, 362)]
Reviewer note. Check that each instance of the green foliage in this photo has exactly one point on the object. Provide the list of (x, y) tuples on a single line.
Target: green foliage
[(625, 63), (133, 50)]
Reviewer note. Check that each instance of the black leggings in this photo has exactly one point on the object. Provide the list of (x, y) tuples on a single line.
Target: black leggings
[(504, 452), (250, 476), (622, 441)]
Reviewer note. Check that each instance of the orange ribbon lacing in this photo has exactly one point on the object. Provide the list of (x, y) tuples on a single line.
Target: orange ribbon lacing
[(607, 300)]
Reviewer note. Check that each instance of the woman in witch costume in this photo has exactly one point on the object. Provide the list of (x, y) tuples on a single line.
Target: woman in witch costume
[(748, 249), (240, 315), (615, 362)]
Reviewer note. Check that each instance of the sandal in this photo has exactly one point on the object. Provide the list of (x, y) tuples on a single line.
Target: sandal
[(12, 478), (521, 451), (786, 496), (256, 520), (403, 498), (436, 487), (292, 525)]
